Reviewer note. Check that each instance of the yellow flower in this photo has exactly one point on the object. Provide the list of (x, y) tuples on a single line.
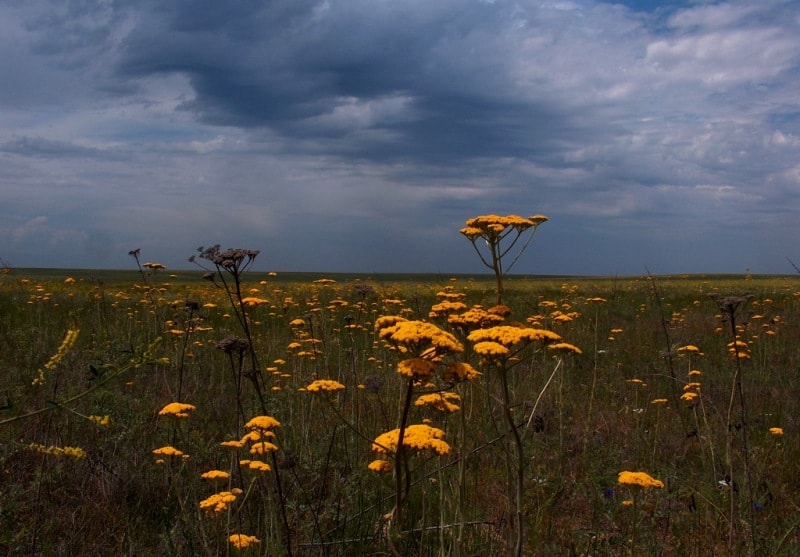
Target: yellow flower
[(263, 447), (565, 347), (104, 421), (177, 409), (168, 451), (254, 301), (257, 465), (241, 541), (475, 317), (262, 422), (459, 371), (639, 478), (444, 401), (327, 385), (69, 341), (233, 444), (491, 349), (445, 308), (73, 452), (154, 266), (659, 401), (689, 396), (691, 348), (380, 466), (420, 334), (777, 431), (417, 436), (219, 502), (509, 335), (416, 367), (215, 475)]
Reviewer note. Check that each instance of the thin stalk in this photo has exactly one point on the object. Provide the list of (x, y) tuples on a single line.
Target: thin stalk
[(520, 464)]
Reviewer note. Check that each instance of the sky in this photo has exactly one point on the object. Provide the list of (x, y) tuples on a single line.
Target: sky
[(359, 135)]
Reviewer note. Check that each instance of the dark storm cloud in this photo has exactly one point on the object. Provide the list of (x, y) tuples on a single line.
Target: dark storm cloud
[(394, 80)]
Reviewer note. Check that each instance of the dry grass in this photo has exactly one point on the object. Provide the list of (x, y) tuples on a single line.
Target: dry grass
[(592, 421)]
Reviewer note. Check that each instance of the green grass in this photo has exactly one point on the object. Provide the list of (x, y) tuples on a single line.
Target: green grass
[(591, 420)]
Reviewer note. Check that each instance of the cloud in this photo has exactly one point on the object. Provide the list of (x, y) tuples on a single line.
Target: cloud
[(352, 135)]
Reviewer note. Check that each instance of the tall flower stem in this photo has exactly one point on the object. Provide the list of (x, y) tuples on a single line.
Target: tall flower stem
[(402, 476), (520, 464)]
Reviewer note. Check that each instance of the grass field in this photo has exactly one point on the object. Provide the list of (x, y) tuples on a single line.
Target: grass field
[(691, 381)]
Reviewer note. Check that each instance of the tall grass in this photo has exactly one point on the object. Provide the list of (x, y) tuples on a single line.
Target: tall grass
[(730, 477)]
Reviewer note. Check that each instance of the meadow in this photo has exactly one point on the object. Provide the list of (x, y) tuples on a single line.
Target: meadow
[(252, 413)]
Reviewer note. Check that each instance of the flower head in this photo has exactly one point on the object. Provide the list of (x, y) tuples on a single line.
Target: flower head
[(324, 385), (215, 475), (444, 402), (509, 335), (418, 336), (262, 422), (241, 541), (417, 436), (416, 367), (380, 465), (219, 502), (169, 450), (177, 409), (459, 371), (639, 478)]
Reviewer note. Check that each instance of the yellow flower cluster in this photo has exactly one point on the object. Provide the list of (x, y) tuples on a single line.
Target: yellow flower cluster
[(74, 452), (258, 430), (219, 502), (446, 308), (104, 421), (565, 347), (177, 409), (326, 385), (639, 478), (169, 450), (380, 465), (253, 301), (215, 475), (263, 447), (257, 465), (509, 335), (475, 317), (443, 402), (491, 349), (494, 225), (738, 349), (69, 341), (262, 422), (416, 367), (415, 335), (241, 541), (459, 371), (417, 436)]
